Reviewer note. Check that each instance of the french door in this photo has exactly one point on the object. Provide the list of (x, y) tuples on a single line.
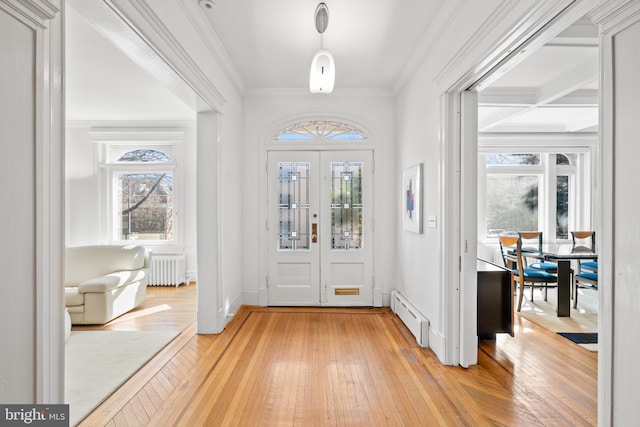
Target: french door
[(320, 228)]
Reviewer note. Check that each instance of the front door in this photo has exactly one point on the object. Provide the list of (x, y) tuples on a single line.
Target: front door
[(320, 228)]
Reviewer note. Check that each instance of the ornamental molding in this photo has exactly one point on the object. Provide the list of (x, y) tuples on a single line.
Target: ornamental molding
[(168, 47), (36, 13), (615, 15)]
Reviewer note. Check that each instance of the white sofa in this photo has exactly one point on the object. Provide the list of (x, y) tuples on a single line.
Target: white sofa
[(103, 282)]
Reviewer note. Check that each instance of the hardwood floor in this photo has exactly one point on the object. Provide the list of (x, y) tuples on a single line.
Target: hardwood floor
[(306, 366)]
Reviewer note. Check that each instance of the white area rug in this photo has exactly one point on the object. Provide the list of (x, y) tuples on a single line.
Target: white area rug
[(98, 362), (583, 319)]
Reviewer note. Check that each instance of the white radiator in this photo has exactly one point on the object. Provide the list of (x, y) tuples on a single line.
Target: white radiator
[(167, 270), (415, 322)]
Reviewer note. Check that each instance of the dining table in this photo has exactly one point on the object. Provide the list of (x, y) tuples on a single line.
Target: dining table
[(562, 254)]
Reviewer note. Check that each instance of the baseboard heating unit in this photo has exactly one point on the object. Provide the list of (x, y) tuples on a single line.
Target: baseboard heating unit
[(167, 270), (415, 322)]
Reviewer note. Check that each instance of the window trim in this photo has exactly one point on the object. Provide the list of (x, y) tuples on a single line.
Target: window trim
[(580, 190), (111, 144)]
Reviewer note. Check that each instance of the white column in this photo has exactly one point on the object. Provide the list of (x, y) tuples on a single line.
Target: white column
[(208, 223)]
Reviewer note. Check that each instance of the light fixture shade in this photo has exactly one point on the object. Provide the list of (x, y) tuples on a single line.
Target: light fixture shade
[(323, 72)]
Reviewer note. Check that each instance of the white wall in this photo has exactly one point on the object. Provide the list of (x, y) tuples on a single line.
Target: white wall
[(86, 197), (17, 163), (420, 138), (419, 254), (266, 112)]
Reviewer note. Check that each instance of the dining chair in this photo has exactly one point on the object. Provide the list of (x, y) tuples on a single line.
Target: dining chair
[(511, 247), (584, 279), (586, 240), (533, 240)]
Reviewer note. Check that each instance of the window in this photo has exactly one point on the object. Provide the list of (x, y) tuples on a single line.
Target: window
[(310, 130), (346, 205), (512, 202), (294, 204), (144, 199), (528, 191), (141, 195)]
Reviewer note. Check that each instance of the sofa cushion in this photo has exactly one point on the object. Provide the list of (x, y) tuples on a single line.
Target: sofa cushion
[(72, 296), (111, 281), (88, 262)]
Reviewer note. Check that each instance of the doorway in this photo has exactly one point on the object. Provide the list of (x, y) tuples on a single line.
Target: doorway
[(320, 228)]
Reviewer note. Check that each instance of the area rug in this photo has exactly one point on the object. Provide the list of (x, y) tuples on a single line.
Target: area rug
[(98, 362), (581, 337), (584, 319)]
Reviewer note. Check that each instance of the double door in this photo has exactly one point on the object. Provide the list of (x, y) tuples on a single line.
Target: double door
[(320, 228)]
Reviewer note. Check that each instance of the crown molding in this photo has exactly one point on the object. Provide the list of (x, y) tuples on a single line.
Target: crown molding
[(615, 15), (35, 12), (499, 14), (300, 92), (162, 39), (161, 125), (208, 35), (446, 14)]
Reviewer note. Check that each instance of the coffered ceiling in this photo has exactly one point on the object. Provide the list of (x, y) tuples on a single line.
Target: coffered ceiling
[(554, 89)]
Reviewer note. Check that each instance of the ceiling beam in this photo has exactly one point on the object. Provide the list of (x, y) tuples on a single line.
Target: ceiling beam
[(584, 74), (500, 115), (580, 98), (522, 98), (583, 124), (500, 106)]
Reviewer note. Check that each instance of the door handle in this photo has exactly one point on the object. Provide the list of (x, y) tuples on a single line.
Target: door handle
[(314, 233)]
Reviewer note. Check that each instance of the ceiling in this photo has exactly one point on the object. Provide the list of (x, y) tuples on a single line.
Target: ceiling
[(112, 75), (554, 89), (273, 42)]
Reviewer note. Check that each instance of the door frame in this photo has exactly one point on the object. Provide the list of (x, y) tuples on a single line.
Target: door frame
[(469, 74), (270, 144), (320, 256)]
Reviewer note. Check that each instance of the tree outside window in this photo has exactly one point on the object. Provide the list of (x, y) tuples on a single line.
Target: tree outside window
[(144, 199), (519, 184)]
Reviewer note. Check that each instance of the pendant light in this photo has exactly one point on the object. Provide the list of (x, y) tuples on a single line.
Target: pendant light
[(323, 67)]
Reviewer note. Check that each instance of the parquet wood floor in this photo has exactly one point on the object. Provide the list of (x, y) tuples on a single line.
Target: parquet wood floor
[(343, 367)]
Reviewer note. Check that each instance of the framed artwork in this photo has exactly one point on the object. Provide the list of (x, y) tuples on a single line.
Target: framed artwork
[(412, 199)]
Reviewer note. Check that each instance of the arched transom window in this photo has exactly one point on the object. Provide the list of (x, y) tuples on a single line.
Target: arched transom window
[(310, 130), (144, 155)]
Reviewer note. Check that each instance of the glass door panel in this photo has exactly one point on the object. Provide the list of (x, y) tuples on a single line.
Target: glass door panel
[(346, 205), (294, 205)]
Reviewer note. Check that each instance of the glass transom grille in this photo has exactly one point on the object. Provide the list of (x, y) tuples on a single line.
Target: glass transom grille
[(310, 130)]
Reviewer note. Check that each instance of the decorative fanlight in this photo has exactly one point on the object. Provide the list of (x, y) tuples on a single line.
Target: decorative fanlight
[(323, 66)]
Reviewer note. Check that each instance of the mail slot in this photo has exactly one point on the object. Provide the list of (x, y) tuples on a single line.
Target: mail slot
[(347, 291)]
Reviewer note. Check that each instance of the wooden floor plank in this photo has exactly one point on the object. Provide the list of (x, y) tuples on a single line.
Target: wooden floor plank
[(310, 366)]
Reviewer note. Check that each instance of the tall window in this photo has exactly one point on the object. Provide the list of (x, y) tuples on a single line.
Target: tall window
[(527, 191), (144, 199), (512, 192), (140, 180)]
